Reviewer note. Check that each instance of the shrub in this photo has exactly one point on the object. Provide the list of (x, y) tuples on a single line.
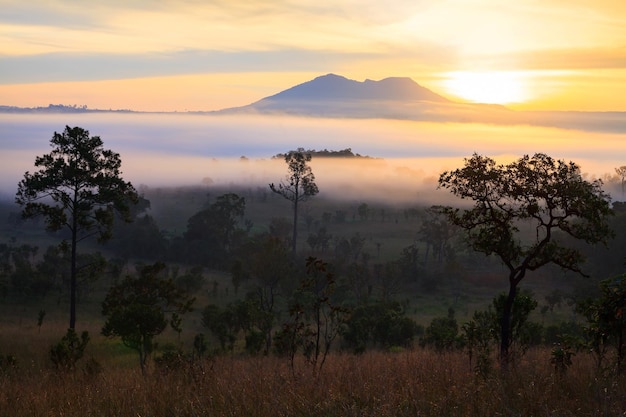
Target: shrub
[(442, 333), (65, 354)]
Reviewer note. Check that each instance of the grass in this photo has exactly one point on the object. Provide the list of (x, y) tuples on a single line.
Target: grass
[(380, 384)]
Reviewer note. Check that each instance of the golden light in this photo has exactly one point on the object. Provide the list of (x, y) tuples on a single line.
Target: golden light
[(494, 87)]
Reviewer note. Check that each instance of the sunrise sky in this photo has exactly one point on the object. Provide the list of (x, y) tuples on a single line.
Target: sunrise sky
[(178, 55)]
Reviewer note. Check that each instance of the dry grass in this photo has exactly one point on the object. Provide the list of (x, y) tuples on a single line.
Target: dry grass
[(411, 383)]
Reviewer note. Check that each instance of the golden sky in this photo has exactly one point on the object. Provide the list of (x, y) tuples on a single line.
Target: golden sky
[(166, 55)]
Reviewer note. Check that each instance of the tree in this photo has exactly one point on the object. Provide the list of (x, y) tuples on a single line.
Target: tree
[(607, 325), (442, 333), (270, 266), (621, 173), (212, 231), (299, 185), (436, 232), (316, 318), (78, 187), (551, 196), (383, 324), (139, 308)]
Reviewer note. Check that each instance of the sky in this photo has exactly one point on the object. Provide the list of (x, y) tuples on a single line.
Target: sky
[(184, 55)]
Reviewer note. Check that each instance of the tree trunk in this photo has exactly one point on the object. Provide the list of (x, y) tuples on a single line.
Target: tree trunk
[(73, 273), (295, 226), (505, 327)]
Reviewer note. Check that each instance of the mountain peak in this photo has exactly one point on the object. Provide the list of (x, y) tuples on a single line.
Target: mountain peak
[(332, 87)]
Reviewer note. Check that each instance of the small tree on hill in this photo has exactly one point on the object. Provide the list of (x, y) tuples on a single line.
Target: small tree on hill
[(299, 185), (78, 187), (551, 195)]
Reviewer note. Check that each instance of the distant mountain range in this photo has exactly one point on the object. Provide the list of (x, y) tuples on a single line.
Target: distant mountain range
[(335, 96)]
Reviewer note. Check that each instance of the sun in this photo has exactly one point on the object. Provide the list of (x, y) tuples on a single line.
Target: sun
[(493, 87)]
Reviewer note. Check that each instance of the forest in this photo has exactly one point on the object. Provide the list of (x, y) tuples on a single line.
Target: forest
[(249, 300)]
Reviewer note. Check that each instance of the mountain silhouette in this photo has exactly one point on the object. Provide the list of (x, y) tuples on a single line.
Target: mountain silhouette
[(332, 95), (335, 87), (399, 98)]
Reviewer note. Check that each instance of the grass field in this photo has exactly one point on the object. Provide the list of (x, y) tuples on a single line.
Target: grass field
[(377, 384)]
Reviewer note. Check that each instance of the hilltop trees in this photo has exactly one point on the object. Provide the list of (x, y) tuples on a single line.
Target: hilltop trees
[(77, 187), (299, 185), (550, 195)]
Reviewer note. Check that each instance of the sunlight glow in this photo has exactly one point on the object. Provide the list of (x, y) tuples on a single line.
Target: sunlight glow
[(493, 87)]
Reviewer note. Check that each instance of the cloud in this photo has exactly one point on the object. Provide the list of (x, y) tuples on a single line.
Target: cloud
[(184, 149), (558, 59), (61, 66)]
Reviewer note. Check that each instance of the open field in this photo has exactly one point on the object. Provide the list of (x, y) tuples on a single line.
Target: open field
[(377, 384)]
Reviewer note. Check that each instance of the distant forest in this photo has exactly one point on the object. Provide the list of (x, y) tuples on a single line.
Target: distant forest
[(58, 108), (344, 153)]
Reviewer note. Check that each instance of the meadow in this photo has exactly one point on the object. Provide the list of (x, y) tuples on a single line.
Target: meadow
[(412, 382)]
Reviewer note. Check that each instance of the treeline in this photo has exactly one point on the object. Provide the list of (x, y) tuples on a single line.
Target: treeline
[(57, 108), (278, 304)]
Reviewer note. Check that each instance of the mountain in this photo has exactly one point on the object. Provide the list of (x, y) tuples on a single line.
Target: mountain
[(332, 95), (333, 87), (335, 96)]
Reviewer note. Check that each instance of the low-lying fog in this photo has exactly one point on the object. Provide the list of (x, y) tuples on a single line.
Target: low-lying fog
[(185, 149)]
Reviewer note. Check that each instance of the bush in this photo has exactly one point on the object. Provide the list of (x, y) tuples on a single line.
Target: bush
[(382, 324), (442, 333), (8, 363), (65, 354)]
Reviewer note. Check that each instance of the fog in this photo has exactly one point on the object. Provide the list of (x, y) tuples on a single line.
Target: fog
[(160, 150)]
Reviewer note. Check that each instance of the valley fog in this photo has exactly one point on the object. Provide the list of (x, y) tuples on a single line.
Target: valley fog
[(163, 150)]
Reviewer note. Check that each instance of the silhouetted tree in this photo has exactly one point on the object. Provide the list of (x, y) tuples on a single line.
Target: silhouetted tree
[(621, 173), (551, 195), (78, 187), (298, 186)]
